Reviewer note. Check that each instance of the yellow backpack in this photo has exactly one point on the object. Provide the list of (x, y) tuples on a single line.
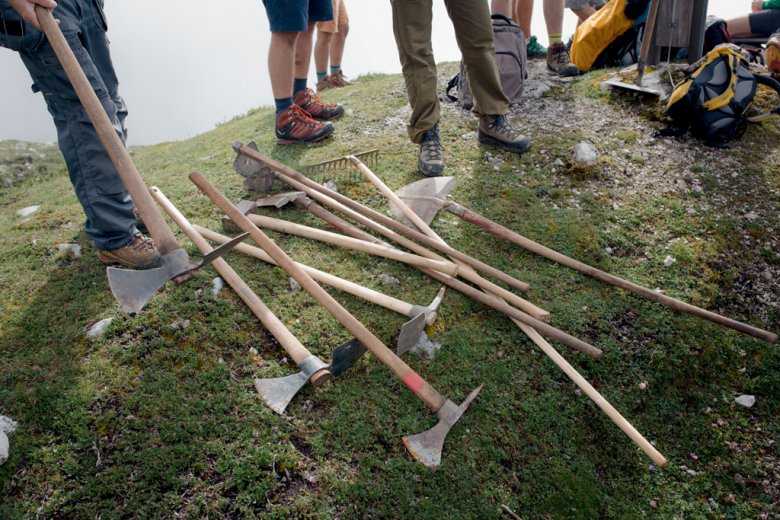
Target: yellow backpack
[(596, 33)]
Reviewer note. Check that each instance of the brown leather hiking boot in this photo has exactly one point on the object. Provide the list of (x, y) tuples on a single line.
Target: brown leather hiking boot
[(497, 130), (293, 125), (140, 253), (559, 62), (317, 108), (325, 83), (338, 80), (429, 159)]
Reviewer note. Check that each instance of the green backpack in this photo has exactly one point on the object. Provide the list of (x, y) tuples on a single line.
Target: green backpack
[(712, 99)]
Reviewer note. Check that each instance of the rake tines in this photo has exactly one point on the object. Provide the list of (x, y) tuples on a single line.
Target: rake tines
[(340, 170)]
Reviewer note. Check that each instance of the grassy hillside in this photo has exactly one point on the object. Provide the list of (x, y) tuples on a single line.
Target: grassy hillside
[(159, 418)]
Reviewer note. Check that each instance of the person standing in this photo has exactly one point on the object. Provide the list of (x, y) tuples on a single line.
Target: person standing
[(111, 222), (331, 40), (301, 116), (412, 20)]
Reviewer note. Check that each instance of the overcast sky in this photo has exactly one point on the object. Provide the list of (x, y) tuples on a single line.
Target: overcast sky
[(186, 66)]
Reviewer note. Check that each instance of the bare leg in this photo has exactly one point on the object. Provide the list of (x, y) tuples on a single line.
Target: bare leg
[(322, 49), (338, 43), (553, 17), (739, 27), (523, 10), (281, 63), (303, 52), (502, 7), (584, 13)]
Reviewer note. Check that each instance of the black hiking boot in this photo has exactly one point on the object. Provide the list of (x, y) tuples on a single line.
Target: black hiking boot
[(429, 157)]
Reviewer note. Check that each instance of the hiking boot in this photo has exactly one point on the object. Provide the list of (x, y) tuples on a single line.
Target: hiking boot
[(534, 49), (497, 130), (429, 157), (558, 60), (293, 125), (139, 222), (325, 83), (140, 253), (338, 80), (317, 108)]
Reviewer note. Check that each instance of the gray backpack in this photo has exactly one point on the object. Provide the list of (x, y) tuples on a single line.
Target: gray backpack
[(511, 59)]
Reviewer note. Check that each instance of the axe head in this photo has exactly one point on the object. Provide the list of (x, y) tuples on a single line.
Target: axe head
[(280, 200), (278, 392), (410, 334), (427, 446), (425, 197), (259, 178), (134, 289)]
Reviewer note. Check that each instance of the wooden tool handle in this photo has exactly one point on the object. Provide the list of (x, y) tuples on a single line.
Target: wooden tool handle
[(352, 243), (289, 342), (595, 396), (338, 223), (647, 39), (526, 243), (394, 304), (432, 399), (158, 228)]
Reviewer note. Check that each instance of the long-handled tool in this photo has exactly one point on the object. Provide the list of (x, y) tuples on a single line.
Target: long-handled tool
[(425, 447), (426, 197), (132, 289), (410, 332), (374, 220), (611, 412), (276, 392)]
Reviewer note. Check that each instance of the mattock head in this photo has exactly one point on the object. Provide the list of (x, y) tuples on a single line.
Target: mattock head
[(412, 330), (427, 446), (278, 392), (259, 178), (424, 197)]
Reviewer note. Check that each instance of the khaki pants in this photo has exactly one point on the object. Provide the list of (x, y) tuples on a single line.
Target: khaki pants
[(474, 33)]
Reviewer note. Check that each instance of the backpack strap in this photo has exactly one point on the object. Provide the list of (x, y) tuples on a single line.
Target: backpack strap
[(450, 86), (772, 83)]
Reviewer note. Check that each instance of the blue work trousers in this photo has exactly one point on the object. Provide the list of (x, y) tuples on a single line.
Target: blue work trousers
[(110, 221)]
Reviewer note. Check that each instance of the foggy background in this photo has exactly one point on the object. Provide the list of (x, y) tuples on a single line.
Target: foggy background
[(186, 66)]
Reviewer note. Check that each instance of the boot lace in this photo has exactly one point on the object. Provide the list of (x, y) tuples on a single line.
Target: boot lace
[(431, 144), (561, 55), (501, 125), (299, 116), (141, 243)]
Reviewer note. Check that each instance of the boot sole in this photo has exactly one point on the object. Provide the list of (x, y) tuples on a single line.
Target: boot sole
[(110, 260), (519, 148), (315, 139)]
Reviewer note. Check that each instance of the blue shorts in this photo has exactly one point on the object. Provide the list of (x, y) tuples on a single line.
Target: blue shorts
[(295, 15)]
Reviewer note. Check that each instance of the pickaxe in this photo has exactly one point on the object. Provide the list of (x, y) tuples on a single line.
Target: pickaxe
[(591, 392), (427, 196), (276, 392), (411, 331), (425, 447), (132, 289)]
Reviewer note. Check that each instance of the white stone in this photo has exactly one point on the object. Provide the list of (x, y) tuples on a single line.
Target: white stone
[(7, 425), (390, 280), (29, 210), (745, 400), (69, 250), (669, 261), (252, 351), (294, 285), (585, 153), (331, 186), (425, 348), (97, 330), (217, 284)]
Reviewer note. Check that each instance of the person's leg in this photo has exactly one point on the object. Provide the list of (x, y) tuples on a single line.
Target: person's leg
[(474, 34), (281, 64), (557, 56), (584, 13), (322, 53), (412, 29), (523, 12), (302, 58), (582, 8), (502, 7), (739, 27), (553, 18), (338, 44)]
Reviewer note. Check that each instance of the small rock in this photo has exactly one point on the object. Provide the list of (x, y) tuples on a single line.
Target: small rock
[(29, 210), (390, 280), (68, 251), (654, 503), (669, 261), (746, 400), (585, 153), (426, 348), (221, 360), (558, 163), (643, 385), (751, 216), (469, 135), (180, 325), (331, 186), (35, 242), (252, 351), (217, 284), (97, 330), (577, 391), (7, 425), (294, 285), (691, 472)]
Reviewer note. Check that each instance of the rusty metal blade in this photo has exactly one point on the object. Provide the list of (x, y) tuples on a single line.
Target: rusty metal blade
[(221, 250), (279, 200), (425, 197)]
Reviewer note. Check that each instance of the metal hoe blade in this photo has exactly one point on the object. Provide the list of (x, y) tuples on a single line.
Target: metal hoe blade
[(134, 289), (422, 197), (427, 446), (280, 200), (346, 355), (410, 334)]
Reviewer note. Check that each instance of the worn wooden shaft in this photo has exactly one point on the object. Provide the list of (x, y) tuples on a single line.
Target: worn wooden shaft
[(526, 243), (158, 228), (386, 301), (467, 274), (595, 396), (432, 399), (352, 243), (286, 339), (285, 172), (338, 223)]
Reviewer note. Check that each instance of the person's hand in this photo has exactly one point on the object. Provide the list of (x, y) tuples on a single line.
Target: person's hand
[(757, 5), (26, 9)]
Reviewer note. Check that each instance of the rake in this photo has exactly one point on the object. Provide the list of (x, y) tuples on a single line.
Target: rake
[(340, 169)]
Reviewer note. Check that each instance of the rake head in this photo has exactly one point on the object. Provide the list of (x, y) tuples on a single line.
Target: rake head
[(341, 170)]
